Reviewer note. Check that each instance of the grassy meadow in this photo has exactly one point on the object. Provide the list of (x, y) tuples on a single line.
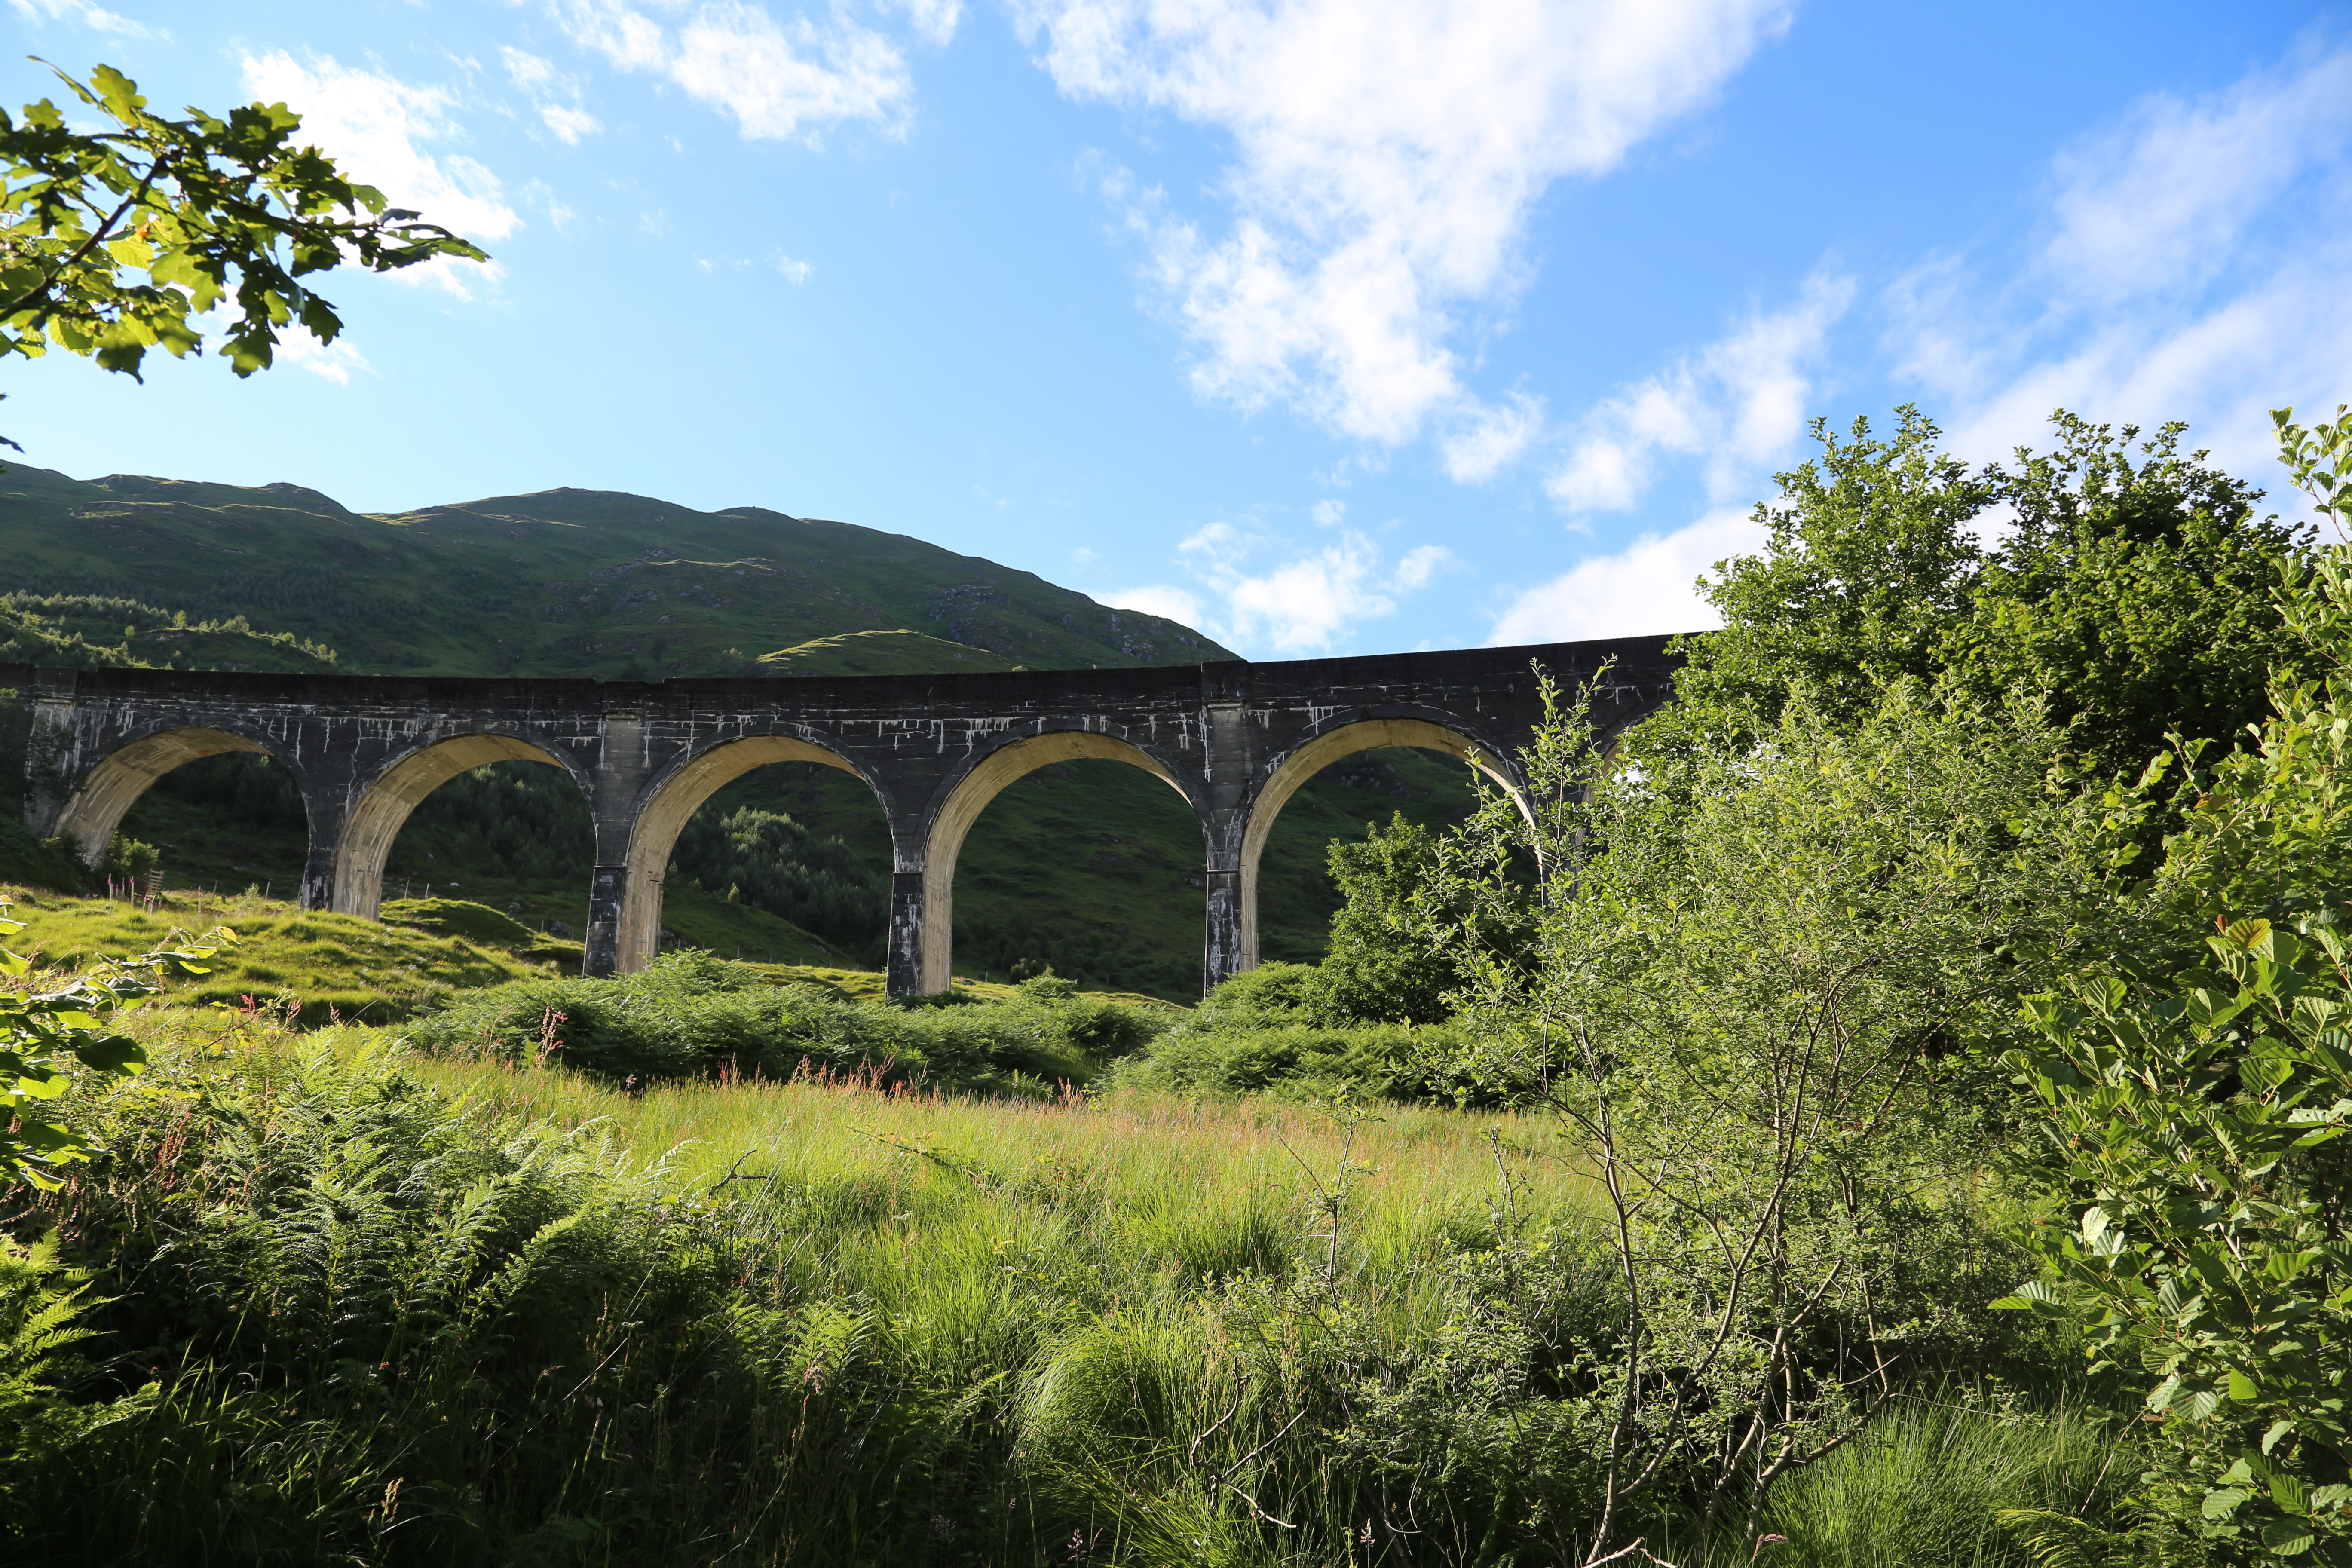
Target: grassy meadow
[(369, 1305)]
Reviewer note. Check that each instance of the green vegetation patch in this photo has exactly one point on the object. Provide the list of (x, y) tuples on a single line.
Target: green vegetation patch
[(693, 1015), (457, 917), (899, 652), (325, 965)]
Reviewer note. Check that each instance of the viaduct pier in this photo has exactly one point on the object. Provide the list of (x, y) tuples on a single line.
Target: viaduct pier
[(1234, 739)]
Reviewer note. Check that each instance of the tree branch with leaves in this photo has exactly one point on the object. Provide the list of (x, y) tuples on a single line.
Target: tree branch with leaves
[(118, 240)]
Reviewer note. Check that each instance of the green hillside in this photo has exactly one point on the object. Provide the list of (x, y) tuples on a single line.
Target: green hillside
[(566, 581)]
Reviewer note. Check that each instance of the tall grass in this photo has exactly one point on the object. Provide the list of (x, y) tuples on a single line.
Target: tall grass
[(363, 1305), (1925, 1484), (376, 1309)]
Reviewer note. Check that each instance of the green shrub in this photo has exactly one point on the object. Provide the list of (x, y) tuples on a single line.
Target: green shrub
[(1293, 1060), (1380, 968), (691, 1014), (43, 863), (1273, 1030)]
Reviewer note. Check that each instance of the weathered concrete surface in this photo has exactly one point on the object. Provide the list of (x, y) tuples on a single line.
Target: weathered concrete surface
[(1235, 740)]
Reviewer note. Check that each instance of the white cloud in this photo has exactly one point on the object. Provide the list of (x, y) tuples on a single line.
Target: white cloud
[(96, 19), (2193, 259), (1419, 564), (1388, 153), (542, 195), (795, 272), (554, 93), (1492, 437), (569, 123), (1738, 403), (1309, 599), (1647, 587), (934, 21), (527, 71), (2194, 264), (333, 362), (372, 124), (777, 80), (1156, 599), (2166, 197)]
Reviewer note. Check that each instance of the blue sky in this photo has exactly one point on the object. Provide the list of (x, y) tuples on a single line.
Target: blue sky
[(1330, 327)]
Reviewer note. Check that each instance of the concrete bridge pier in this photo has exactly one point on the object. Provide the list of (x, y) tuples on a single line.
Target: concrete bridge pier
[(905, 961), (323, 812), (600, 950)]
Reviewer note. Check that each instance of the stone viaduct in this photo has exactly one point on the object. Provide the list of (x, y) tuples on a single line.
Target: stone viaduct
[(1235, 740)]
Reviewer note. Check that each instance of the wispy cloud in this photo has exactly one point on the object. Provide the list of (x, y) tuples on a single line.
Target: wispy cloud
[(1737, 405), (2191, 260), (2194, 262), (96, 19), (1491, 438), (554, 93), (1387, 155), (332, 361), (933, 21), (375, 126), (1157, 599), (1278, 594), (777, 79)]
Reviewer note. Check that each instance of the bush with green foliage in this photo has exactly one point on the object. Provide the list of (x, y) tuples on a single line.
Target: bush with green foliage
[(692, 1014), (1274, 1031), (2199, 1095), (1376, 970), (1757, 974)]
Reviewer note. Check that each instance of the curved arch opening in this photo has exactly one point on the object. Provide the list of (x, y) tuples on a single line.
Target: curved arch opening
[(226, 821), (1333, 745), (384, 808), (672, 805), (970, 795), (93, 812)]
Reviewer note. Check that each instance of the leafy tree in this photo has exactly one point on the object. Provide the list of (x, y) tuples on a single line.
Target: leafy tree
[(112, 241), (1376, 970), (2199, 1095), (1868, 562), (2138, 594), (1750, 994), (2320, 461), (2134, 591)]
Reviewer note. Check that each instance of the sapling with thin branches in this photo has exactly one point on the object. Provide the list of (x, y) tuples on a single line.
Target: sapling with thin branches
[(1756, 972)]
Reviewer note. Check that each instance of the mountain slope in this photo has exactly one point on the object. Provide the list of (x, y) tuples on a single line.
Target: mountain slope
[(565, 582)]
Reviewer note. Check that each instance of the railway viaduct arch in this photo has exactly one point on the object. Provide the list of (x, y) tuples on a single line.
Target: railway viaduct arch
[(1235, 740)]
